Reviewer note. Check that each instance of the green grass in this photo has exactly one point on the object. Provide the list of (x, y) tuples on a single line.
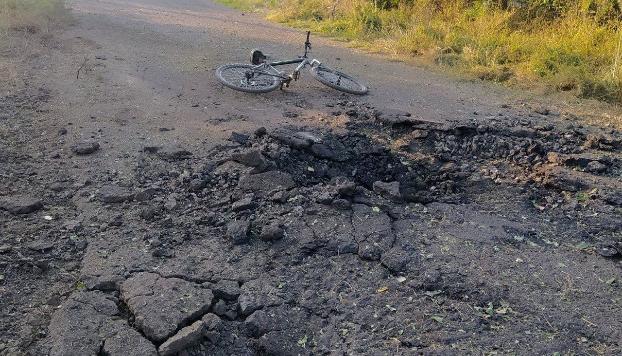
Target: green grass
[(566, 45), (249, 5)]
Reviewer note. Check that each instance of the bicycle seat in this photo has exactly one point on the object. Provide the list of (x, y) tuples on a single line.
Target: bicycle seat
[(258, 57)]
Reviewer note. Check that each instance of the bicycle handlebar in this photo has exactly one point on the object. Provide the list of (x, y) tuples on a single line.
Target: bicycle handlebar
[(307, 44)]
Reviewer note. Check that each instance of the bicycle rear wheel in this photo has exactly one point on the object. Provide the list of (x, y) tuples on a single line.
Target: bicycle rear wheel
[(247, 78), (338, 80)]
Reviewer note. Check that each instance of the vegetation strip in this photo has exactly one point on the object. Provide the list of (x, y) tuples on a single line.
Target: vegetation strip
[(567, 45)]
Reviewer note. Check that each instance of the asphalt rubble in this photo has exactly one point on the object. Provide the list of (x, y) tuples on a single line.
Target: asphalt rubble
[(275, 243)]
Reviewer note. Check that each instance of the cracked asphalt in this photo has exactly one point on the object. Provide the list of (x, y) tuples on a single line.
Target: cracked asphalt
[(146, 209)]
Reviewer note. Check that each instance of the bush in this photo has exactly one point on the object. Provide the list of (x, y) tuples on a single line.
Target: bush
[(367, 19)]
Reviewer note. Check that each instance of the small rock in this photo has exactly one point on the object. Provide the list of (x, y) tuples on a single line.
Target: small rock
[(326, 197), (197, 184), (280, 196), (211, 324), (174, 153), (183, 339), (163, 251), (344, 186), (151, 149), (260, 132), (520, 132), (72, 225), (545, 111), (596, 167), (342, 204), (171, 202), (167, 222), (117, 220), (252, 158), (308, 136), (321, 150), (257, 324), (40, 246), (4, 248), (150, 213), (145, 194), (232, 313), (20, 204), (112, 194), (419, 134), (291, 139), (564, 179), (394, 116), (613, 197), (290, 114), (238, 230), (395, 260), (266, 182), (248, 305), (389, 190), (220, 308), (240, 138), (57, 187), (608, 251), (352, 113), (225, 289), (272, 232), (85, 147), (243, 204)]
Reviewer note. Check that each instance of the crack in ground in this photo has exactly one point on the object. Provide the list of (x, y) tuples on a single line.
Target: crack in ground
[(447, 170)]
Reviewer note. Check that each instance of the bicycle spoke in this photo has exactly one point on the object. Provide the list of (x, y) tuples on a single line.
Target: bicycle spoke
[(247, 78), (338, 80)]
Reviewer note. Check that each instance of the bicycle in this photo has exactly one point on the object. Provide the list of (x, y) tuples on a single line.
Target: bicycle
[(261, 76)]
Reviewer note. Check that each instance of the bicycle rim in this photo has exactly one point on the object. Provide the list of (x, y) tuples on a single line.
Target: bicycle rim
[(338, 80), (246, 78)]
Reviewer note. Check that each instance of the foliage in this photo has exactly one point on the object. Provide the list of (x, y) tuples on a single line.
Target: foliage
[(571, 45), (248, 5)]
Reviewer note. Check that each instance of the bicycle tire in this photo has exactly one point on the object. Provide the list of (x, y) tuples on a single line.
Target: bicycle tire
[(234, 77), (333, 78)]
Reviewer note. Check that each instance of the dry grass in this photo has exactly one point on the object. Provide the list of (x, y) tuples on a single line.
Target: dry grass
[(249, 5), (574, 46), (31, 16), (23, 25)]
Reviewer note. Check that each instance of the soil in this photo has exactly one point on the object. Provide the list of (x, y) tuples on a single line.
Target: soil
[(145, 209)]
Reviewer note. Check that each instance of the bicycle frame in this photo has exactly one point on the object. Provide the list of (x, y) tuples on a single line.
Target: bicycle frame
[(303, 62), (285, 80)]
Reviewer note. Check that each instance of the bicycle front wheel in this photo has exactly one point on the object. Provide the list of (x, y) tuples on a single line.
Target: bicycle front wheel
[(247, 78), (338, 80)]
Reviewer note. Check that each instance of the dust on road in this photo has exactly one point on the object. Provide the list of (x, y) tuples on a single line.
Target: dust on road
[(146, 209)]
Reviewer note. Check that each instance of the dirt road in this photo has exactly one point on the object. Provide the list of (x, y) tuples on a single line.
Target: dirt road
[(145, 209)]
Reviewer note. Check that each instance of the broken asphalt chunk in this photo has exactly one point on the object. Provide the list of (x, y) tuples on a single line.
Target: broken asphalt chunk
[(20, 204), (162, 305), (85, 147)]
